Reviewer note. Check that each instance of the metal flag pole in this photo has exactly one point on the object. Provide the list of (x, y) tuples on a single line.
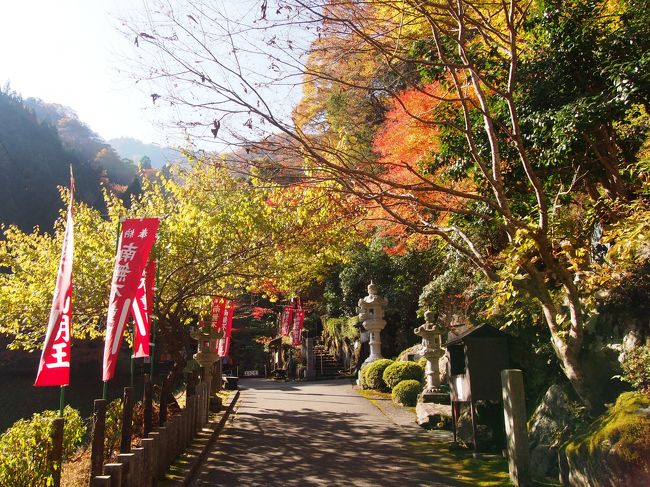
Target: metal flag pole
[(154, 322)]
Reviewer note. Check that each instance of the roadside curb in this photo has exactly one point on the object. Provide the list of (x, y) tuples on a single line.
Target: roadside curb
[(185, 467)]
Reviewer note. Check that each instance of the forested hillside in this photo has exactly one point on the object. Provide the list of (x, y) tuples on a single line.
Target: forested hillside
[(38, 143)]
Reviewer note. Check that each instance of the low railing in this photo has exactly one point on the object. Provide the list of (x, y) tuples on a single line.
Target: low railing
[(143, 466)]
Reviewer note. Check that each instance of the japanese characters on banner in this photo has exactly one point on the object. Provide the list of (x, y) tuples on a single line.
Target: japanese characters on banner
[(223, 345), (298, 321), (141, 310), (135, 242), (54, 366), (287, 319), (217, 310)]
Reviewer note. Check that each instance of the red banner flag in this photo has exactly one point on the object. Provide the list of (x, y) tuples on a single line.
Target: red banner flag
[(54, 367), (141, 310), (223, 347), (217, 310), (287, 319), (298, 322), (136, 239)]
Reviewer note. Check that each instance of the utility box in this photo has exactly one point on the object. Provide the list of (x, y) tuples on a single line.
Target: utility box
[(476, 358)]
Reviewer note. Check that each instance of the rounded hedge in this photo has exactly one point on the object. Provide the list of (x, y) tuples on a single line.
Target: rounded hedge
[(406, 392), (400, 371), (374, 374)]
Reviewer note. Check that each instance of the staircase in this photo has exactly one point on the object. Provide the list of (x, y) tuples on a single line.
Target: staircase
[(327, 367)]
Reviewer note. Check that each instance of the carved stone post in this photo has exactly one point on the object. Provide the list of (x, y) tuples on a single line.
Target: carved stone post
[(431, 335), (371, 313)]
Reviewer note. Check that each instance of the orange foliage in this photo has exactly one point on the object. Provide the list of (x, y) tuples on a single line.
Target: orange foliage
[(409, 132)]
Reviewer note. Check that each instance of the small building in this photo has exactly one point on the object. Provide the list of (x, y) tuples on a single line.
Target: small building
[(476, 358)]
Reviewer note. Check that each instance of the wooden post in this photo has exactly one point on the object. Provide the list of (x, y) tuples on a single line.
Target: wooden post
[(137, 479), (163, 403), (148, 449), (147, 404), (101, 481), (161, 461), (127, 420), (56, 454), (97, 441), (155, 453), (115, 472), (514, 414), (472, 411), (128, 471)]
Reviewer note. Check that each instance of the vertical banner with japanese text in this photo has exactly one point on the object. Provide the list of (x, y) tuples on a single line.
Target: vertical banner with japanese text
[(217, 310), (287, 320), (141, 309), (298, 322), (134, 245), (54, 366), (223, 345)]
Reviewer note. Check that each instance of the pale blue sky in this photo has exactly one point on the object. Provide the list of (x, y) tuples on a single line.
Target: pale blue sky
[(72, 52), (66, 52)]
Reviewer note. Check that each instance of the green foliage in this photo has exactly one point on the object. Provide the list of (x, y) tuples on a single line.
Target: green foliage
[(636, 368), (400, 279), (341, 328), (24, 447), (374, 374), (401, 371), (238, 236), (406, 392)]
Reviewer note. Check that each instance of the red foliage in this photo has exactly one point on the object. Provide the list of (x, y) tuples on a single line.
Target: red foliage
[(258, 312)]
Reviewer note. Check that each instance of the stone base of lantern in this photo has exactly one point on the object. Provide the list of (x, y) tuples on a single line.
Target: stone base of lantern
[(438, 397)]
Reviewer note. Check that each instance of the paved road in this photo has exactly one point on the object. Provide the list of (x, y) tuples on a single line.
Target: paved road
[(310, 434)]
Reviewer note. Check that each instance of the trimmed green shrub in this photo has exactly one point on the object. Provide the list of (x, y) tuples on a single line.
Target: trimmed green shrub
[(374, 374), (24, 447), (399, 371), (406, 392)]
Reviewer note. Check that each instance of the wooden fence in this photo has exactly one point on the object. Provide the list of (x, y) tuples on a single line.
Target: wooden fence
[(143, 466)]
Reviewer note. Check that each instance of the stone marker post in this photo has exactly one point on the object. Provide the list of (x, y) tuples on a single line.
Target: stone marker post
[(371, 313), (431, 334), (514, 414)]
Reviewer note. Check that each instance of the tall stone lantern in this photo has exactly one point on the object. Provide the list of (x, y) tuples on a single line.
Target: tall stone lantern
[(206, 355), (431, 334), (371, 313)]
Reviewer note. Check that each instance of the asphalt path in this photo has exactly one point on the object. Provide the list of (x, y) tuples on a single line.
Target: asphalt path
[(311, 434)]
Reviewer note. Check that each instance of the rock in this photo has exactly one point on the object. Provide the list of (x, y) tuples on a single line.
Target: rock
[(433, 416), (614, 451), (546, 428)]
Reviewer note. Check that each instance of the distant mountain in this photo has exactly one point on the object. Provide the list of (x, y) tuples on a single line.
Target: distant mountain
[(33, 162), (135, 150), (38, 143)]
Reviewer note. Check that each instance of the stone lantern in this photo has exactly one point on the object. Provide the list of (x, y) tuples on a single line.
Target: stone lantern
[(431, 334), (206, 355), (371, 313)]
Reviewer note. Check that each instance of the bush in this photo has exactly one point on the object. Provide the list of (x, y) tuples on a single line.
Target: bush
[(374, 374), (636, 368), (406, 392), (399, 371), (24, 447)]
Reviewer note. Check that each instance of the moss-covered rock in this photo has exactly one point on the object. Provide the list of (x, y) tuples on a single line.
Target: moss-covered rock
[(615, 449), (374, 374), (406, 392), (399, 371)]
